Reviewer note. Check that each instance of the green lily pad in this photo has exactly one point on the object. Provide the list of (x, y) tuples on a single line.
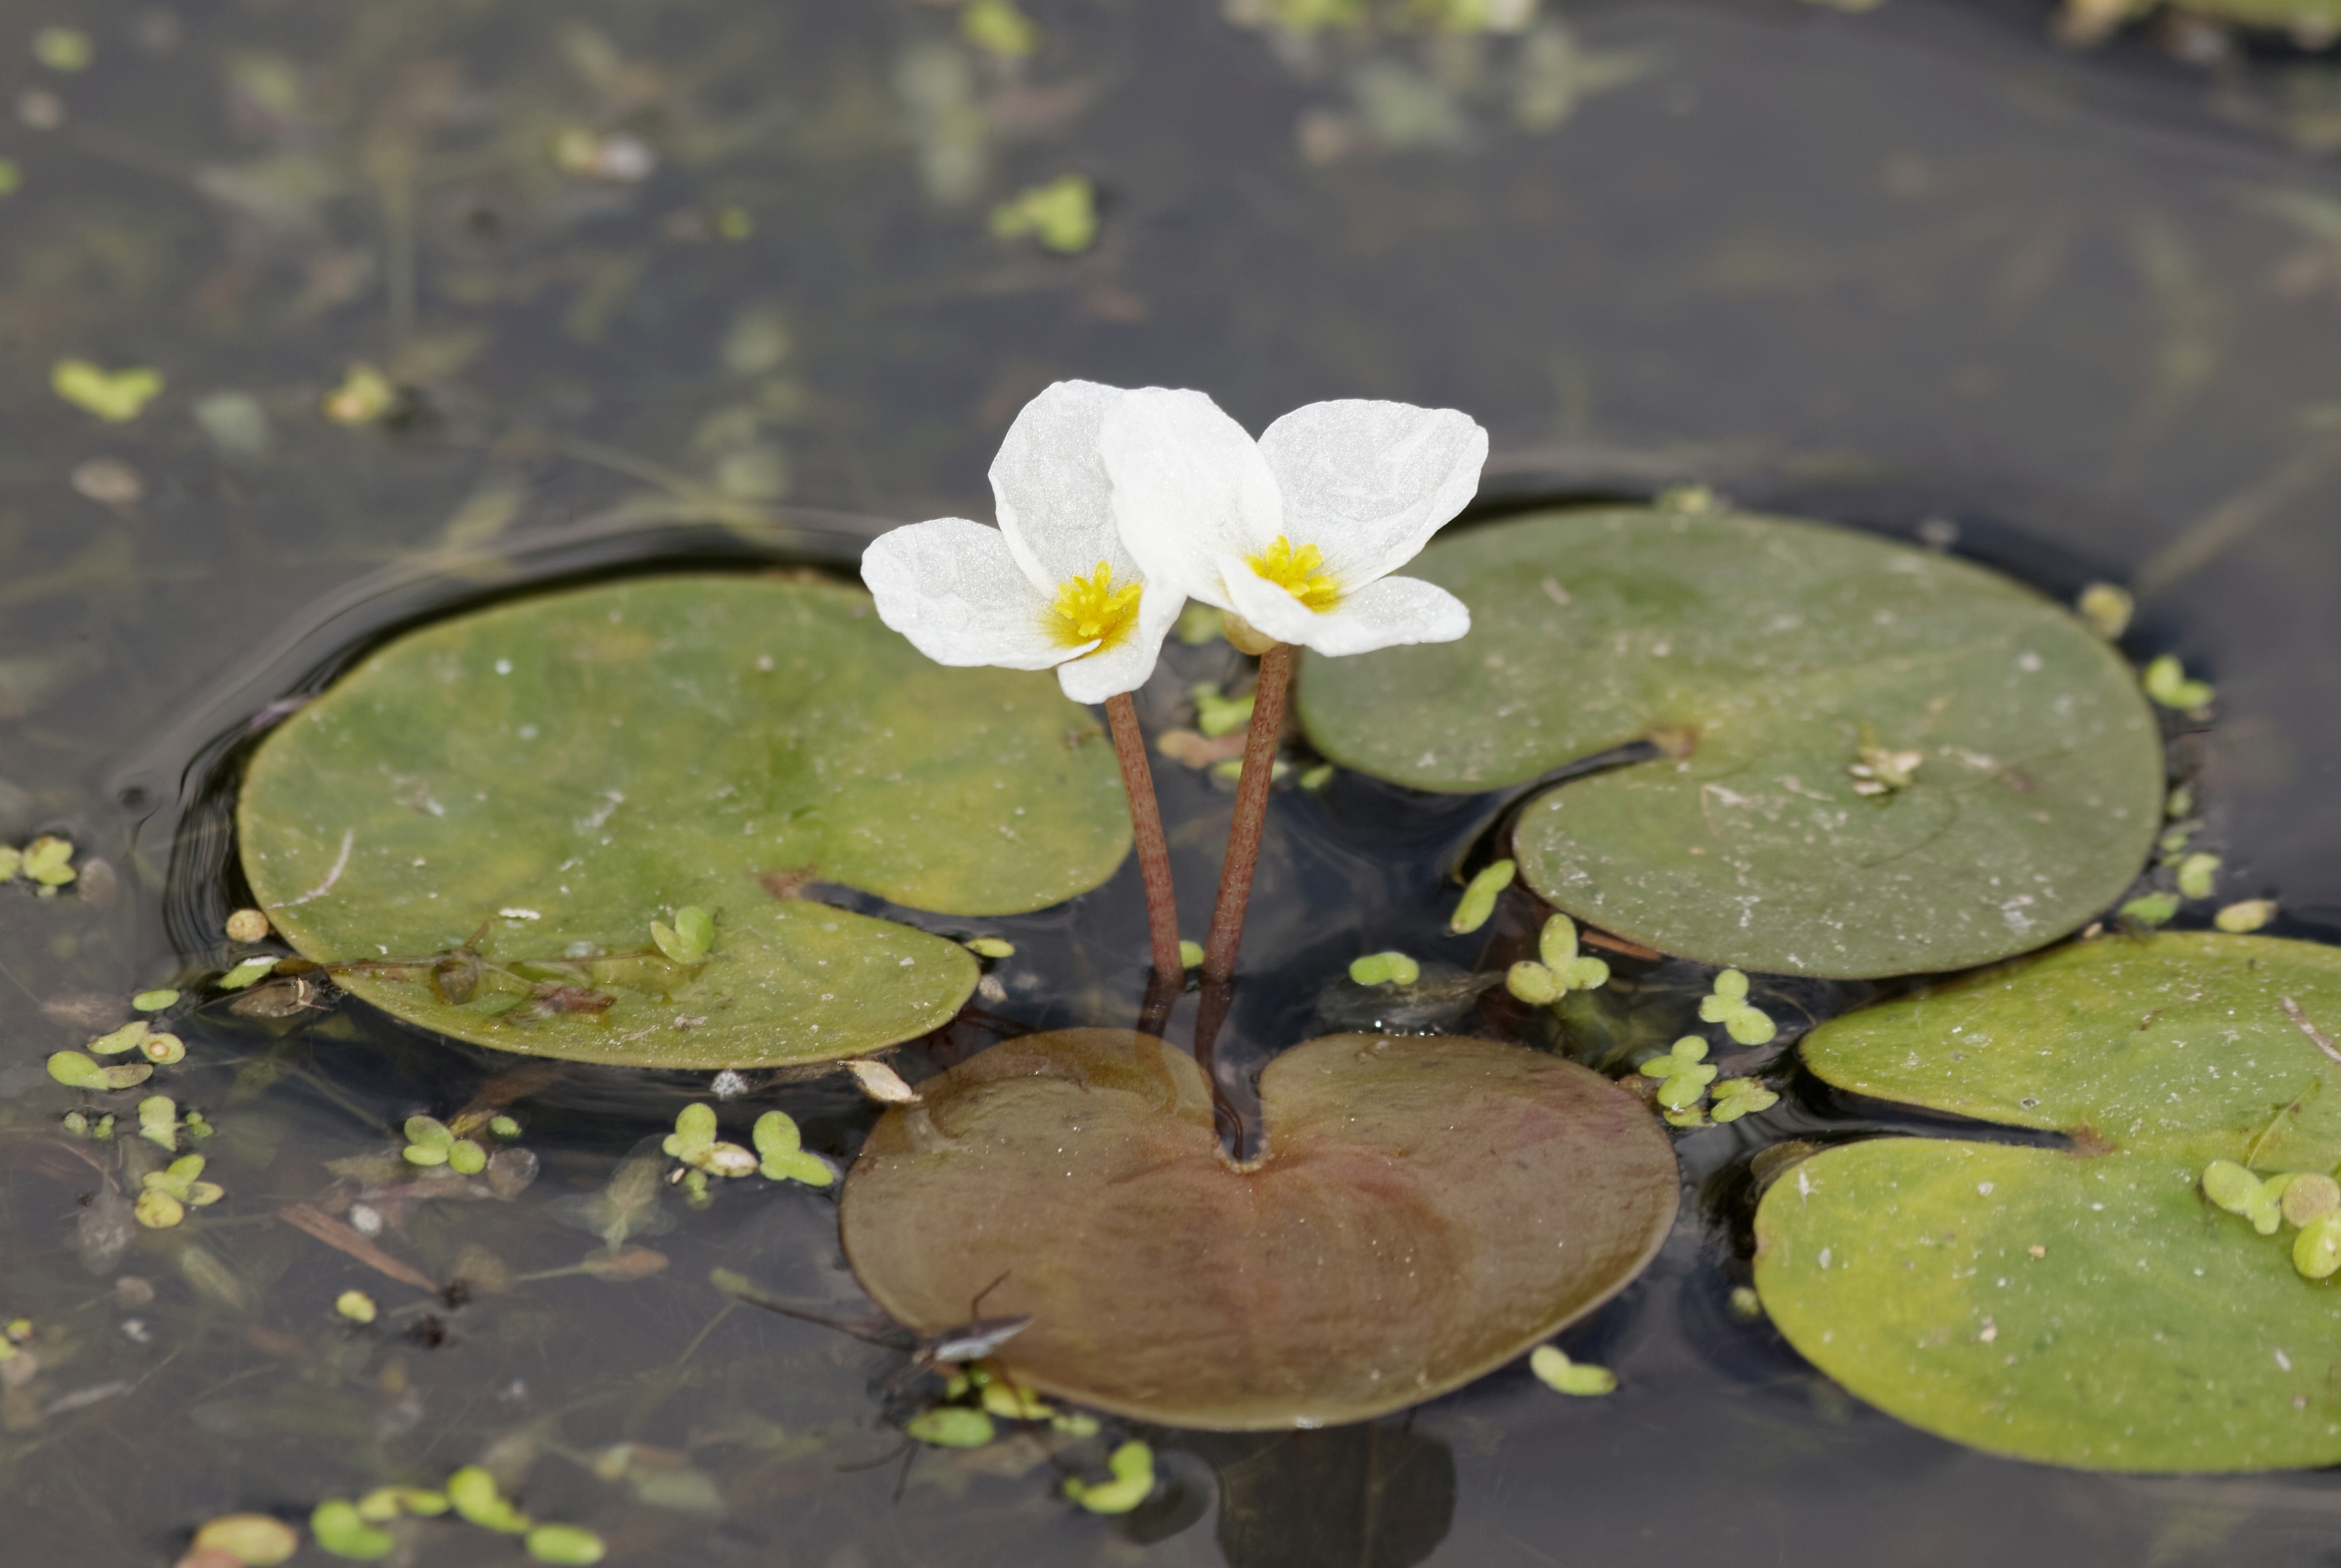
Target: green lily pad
[(1376, 1255), (567, 769), (2013, 773), (2090, 1305)]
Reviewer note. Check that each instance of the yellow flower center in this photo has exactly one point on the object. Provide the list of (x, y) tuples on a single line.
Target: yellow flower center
[(1298, 572), (1091, 609)]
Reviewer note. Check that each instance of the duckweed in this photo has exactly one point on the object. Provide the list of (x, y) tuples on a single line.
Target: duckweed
[(472, 1492), (1533, 984), (989, 947), (1728, 1005), (247, 925), (430, 1143), (1479, 895), (155, 1001), (998, 27), (246, 973), (1392, 968), (571, 1545), (1132, 1465), (364, 395), (2198, 874), (1558, 968), (2165, 681), (2150, 909), (1216, 716), (1061, 214), (75, 1071), (338, 1529), (126, 1038), (689, 939), (1556, 1372), (782, 1145), (1190, 953), (2106, 609), (950, 1426), (356, 1305), (2246, 915), (115, 397)]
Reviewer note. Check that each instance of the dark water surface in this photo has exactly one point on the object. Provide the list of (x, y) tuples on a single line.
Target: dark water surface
[(1916, 269)]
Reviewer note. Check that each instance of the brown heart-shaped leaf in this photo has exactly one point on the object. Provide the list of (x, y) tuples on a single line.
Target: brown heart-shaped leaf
[(1425, 1210)]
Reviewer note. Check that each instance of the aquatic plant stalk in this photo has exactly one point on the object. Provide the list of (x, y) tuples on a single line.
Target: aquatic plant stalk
[(1252, 814), (1146, 825)]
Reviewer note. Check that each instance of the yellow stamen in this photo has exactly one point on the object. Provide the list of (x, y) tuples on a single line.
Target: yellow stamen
[(1091, 609), (1297, 573)]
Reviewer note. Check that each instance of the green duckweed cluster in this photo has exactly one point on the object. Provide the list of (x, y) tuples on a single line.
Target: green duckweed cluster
[(1556, 1372), (1684, 1075), (978, 1395), (2308, 1201), (46, 863), (1385, 969), (1558, 969), (2166, 681), (689, 939), (1132, 1468), (166, 1195), (779, 1153), (1060, 214), (354, 1530), (1216, 716), (431, 1144), (1479, 895), (1728, 1005)]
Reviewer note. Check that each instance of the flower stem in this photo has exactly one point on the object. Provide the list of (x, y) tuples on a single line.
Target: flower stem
[(1252, 814), (1146, 825)]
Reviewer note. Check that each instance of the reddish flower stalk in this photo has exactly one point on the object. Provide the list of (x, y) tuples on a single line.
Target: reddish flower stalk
[(1146, 824), (1252, 814)]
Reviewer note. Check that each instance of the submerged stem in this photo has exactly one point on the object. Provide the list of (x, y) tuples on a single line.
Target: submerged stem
[(1146, 825), (1252, 814)]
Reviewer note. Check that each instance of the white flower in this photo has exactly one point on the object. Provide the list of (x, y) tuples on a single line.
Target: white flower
[(1053, 586), (1296, 533)]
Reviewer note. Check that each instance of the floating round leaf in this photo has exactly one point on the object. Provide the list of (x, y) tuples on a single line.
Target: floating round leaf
[(1875, 760), (1425, 1211), (2117, 1304), (557, 774)]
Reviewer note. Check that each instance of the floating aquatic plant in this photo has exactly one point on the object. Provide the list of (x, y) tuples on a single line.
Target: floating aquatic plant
[(1329, 1280), (2089, 1303), (1748, 661), (484, 827)]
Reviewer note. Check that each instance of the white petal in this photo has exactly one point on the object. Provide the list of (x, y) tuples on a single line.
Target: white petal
[(1381, 615), (1189, 487), (1127, 665), (1369, 482), (1049, 484), (952, 588)]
